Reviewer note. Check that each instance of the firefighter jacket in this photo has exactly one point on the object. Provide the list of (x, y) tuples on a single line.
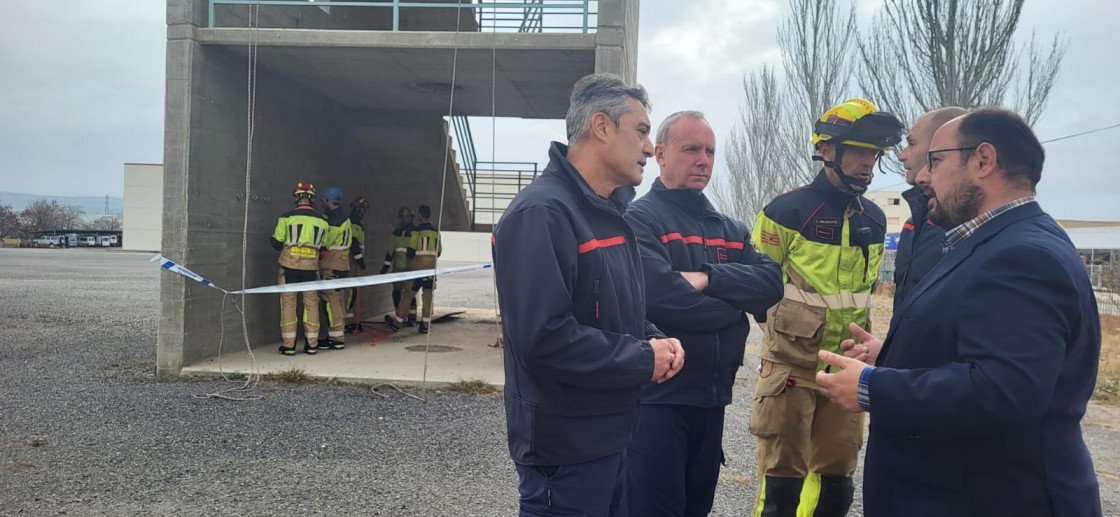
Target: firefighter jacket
[(359, 233), (679, 230), (396, 250), (570, 288), (920, 246), (298, 237), (423, 247), (830, 244), (339, 243)]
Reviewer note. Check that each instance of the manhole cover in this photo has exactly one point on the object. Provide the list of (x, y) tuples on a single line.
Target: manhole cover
[(435, 349)]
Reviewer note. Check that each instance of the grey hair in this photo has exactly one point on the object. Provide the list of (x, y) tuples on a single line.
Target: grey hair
[(663, 129), (600, 93)]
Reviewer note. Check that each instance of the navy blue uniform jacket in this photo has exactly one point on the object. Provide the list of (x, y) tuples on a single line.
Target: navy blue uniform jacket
[(679, 230), (976, 407), (573, 319), (919, 246)]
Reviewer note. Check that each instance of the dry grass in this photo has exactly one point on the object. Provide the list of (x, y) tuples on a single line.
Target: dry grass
[(1108, 376), (475, 387), (290, 376), (736, 478)]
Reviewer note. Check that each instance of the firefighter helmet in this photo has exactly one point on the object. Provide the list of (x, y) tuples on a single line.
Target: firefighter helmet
[(304, 189), (333, 194), (359, 203), (857, 122)]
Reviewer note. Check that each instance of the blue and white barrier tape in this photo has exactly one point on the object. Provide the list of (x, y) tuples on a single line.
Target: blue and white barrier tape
[(321, 285)]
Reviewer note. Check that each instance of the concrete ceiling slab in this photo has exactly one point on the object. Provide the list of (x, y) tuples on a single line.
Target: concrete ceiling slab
[(529, 82)]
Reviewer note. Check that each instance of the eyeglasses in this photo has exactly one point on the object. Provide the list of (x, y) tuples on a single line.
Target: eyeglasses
[(929, 155)]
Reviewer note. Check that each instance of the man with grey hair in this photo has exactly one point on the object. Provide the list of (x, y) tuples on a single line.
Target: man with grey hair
[(578, 348), (702, 279), (919, 245)]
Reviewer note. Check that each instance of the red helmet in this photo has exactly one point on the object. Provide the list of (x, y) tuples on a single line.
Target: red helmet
[(359, 203), (304, 189)]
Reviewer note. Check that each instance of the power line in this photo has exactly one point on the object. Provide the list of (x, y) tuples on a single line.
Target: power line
[(1114, 126)]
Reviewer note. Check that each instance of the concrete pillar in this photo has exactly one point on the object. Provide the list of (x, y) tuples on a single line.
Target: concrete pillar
[(616, 42)]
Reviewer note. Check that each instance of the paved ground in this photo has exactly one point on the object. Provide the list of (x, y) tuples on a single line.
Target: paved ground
[(85, 429)]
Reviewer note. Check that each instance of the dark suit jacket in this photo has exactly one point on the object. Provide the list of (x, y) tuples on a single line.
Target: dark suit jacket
[(983, 380)]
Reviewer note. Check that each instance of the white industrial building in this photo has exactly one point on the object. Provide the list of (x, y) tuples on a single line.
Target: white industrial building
[(143, 207)]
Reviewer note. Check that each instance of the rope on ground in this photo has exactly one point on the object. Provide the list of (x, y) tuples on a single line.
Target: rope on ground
[(254, 375), (443, 184)]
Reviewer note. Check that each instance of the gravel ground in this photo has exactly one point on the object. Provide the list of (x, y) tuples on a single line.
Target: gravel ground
[(86, 429)]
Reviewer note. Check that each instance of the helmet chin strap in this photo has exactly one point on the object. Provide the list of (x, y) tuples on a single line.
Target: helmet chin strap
[(844, 178)]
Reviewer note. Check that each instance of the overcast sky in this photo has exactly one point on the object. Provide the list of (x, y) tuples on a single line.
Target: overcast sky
[(82, 90)]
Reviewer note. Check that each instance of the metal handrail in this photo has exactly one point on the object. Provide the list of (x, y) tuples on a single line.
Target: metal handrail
[(517, 175), (503, 15)]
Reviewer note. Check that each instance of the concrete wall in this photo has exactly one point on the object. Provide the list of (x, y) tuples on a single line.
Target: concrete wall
[(390, 158), (616, 41), (305, 130), (295, 138), (143, 207)]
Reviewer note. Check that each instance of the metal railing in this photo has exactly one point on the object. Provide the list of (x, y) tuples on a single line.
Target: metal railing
[(580, 16), (468, 158), (494, 187)]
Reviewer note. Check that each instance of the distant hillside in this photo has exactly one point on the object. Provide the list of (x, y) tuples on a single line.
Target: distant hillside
[(94, 206)]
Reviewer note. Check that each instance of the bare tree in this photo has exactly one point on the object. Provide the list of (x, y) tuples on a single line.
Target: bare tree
[(761, 163), (43, 215), (768, 152), (9, 221), (105, 222), (925, 54)]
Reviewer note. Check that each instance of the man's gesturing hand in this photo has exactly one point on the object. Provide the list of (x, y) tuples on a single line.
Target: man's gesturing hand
[(841, 387), (668, 358), (866, 350)]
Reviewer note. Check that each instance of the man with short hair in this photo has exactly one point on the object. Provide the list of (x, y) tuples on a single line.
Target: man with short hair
[(919, 244), (338, 245), (702, 278), (578, 348), (829, 240), (424, 247), (976, 396), (396, 260)]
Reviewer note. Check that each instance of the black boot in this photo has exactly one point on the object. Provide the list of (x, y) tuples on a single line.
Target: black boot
[(781, 497), (837, 493)]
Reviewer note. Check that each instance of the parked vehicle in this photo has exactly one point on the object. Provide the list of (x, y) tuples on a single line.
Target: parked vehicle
[(50, 241)]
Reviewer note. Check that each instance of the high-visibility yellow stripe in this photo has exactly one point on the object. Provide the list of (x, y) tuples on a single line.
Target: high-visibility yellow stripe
[(810, 495), (761, 497)]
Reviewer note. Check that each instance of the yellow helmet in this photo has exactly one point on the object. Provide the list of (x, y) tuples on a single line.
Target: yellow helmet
[(857, 122)]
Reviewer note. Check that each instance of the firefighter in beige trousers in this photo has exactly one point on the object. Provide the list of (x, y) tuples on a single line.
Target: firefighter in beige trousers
[(334, 264), (423, 250), (298, 237)]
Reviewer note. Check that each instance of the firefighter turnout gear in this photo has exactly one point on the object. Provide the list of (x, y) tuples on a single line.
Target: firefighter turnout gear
[(335, 263), (298, 237), (358, 208), (396, 260), (423, 249), (830, 244)]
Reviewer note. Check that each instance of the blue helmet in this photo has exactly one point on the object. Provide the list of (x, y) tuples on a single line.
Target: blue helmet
[(333, 194)]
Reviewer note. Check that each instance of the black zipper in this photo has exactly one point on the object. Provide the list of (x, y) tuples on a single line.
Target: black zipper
[(595, 295)]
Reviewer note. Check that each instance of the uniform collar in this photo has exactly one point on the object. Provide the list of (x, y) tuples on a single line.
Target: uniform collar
[(833, 195), (559, 165), (688, 199)]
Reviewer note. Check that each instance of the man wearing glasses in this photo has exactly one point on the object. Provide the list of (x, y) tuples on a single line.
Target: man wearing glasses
[(977, 394)]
